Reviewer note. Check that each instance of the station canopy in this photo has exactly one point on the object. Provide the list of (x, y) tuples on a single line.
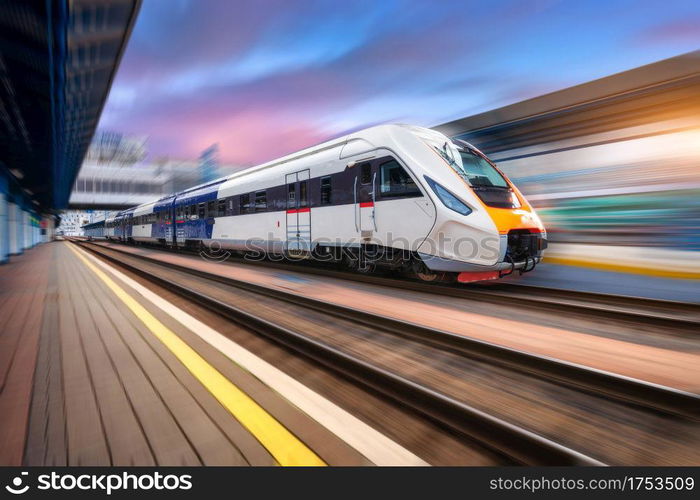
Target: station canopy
[(57, 62)]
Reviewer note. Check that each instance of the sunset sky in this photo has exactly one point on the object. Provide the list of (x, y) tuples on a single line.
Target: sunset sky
[(267, 77)]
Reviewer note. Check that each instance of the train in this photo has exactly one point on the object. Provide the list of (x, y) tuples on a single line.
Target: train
[(390, 198)]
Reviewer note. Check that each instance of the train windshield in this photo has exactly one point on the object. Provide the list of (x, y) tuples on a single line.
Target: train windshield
[(472, 167)]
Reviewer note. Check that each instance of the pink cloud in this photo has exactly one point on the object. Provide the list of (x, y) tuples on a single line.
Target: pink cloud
[(246, 138), (677, 31)]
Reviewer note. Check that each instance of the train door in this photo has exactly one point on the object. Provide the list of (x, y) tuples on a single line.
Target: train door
[(169, 225), (122, 229), (172, 218), (128, 227), (365, 193), (182, 215), (298, 214)]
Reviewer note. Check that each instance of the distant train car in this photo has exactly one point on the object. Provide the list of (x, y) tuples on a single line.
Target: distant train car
[(110, 224), (95, 231), (395, 197), (143, 220), (123, 225)]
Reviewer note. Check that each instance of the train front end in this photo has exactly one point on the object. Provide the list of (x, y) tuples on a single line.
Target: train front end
[(485, 228)]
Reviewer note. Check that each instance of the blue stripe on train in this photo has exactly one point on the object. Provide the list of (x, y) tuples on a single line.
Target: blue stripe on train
[(200, 229)]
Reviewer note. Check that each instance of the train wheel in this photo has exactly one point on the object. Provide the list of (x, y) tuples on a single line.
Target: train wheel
[(438, 277), (429, 277), (424, 274), (357, 265)]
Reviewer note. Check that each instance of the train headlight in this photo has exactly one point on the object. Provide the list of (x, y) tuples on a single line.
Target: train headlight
[(448, 199)]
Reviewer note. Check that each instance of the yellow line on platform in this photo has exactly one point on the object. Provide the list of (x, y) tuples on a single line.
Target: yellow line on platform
[(622, 268), (286, 448)]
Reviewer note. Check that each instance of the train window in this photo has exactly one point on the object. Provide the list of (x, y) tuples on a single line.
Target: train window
[(395, 181), (365, 173), (245, 203), (230, 205), (291, 195), (221, 208), (303, 198), (326, 191), (260, 201), (202, 210), (211, 207)]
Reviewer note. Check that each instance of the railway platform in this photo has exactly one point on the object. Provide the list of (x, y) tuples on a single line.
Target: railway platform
[(93, 373)]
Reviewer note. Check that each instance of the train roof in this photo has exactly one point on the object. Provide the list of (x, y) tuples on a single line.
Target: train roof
[(94, 225), (202, 192), (163, 203), (124, 213), (144, 208), (199, 194)]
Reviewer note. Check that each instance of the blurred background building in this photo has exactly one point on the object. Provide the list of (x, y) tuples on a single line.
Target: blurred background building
[(117, 174), (209, 164)]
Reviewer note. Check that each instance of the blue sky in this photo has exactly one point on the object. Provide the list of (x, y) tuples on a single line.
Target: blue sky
[(267, 77)]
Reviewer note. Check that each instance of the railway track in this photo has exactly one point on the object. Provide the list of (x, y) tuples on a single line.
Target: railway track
[(673, 315), (663, 313), (513, 441), (639, 392)]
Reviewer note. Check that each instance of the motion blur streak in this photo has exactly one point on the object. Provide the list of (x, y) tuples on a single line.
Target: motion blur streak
[(613, 162)]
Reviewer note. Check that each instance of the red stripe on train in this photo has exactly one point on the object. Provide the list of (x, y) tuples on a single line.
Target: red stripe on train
[(299, 211), (366, 204)]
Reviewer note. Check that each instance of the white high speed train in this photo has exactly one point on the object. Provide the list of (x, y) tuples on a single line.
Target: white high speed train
[(396, 197)]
